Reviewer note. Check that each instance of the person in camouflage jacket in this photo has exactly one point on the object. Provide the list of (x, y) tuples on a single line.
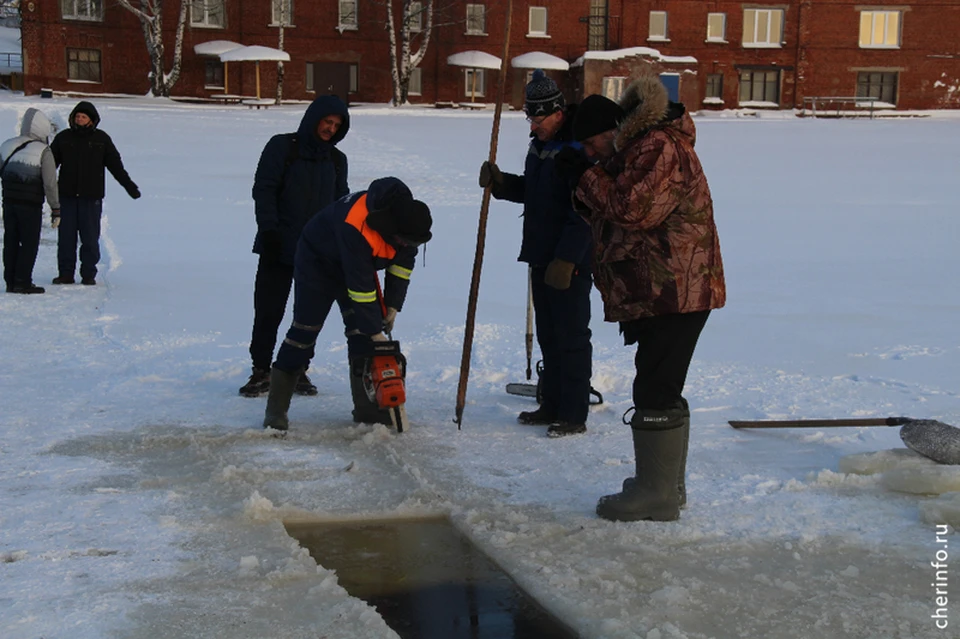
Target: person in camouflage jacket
[(657, 264)]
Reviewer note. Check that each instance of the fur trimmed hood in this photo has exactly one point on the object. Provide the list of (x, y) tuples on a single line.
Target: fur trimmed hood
[(646, 104)]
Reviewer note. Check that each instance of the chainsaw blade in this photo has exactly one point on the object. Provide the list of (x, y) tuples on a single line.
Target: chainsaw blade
[(398, 416)]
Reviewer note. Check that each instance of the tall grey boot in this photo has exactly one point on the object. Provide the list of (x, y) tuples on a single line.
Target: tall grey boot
[(682, 414), (364, 410), (658, 445), (282, 384)]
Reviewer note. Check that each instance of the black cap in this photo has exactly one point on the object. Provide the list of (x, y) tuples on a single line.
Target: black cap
[(596, 114)]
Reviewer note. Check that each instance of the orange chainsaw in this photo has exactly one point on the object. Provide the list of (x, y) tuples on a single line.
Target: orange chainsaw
[(384, 374)]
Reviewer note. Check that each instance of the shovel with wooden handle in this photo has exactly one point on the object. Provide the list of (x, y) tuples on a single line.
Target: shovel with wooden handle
[(935, 440)]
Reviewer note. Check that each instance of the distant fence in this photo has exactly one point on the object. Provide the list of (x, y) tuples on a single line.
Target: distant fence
[(832, 106)]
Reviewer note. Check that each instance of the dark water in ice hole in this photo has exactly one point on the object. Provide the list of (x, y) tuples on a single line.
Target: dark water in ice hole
[(427, 580)]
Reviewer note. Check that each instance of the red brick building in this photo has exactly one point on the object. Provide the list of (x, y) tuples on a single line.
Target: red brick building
[(710, 54)]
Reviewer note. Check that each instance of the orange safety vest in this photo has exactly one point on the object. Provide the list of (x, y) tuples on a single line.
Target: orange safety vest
[(357, 218)]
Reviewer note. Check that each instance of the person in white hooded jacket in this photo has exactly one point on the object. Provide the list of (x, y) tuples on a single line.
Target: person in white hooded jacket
[(28, 175)]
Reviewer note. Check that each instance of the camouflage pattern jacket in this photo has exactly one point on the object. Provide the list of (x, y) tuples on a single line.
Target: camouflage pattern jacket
[(656, 249)]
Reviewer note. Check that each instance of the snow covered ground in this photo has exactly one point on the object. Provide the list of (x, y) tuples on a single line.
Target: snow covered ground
[(140, 498)]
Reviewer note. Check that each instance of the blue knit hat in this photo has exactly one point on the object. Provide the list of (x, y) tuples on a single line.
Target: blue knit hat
[(543, 97)]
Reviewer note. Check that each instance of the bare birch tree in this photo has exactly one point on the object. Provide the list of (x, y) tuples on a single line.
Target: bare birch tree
[(416, 21), (150, 13)]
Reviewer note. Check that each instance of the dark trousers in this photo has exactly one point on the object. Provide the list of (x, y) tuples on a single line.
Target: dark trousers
[(563, 333), (665, 346), (21, 240), (79, 216), (271, 291), (315, 290)]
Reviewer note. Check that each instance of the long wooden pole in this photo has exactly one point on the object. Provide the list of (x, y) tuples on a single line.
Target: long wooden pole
[(482, 231), (529, 336), (822, 423)]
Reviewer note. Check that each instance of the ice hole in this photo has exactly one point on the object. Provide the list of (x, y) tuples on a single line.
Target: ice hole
[(426, 579)]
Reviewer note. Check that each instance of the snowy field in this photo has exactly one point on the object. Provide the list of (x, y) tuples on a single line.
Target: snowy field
[(140, 498)]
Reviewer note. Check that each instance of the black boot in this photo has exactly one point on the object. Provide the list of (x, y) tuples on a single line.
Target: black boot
[(282, 384), (543, 416), (658, 438), (258, 384), (364, 411), (684, 414), (304, 386)]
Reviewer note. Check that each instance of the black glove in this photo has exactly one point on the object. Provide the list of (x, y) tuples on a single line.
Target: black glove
[(490, 175), (559, 273), (571, 164), (133, 191), (271, 245)]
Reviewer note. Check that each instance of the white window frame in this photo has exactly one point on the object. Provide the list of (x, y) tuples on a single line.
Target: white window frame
[(877, 22), (761, 35), (472, 18), (612, 87), (89, 10), (275, 13), (712, 18), (347, 19), (415, 87), (88, 64), (200, 14), (468, 82), (537, 15), (662, 36), (416, 17)]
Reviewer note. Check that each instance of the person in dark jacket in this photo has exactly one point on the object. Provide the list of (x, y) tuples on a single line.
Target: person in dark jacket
[(82, 152), (28, 174), (556, 245), (298, 175), (659, 271), (338, 256)]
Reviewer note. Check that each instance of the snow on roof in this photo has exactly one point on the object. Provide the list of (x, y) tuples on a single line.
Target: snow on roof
[(617, 54), (215, 47), (539, 60), (474, 59), (254, 52)]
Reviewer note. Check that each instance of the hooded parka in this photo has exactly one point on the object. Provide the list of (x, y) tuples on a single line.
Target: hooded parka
[(656, 249)]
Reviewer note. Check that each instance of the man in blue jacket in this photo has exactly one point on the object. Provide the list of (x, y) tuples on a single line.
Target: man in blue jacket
[(298, 174), (340, 251), (556, 245)]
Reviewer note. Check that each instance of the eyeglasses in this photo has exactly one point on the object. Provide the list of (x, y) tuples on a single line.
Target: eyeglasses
[(538, 120)]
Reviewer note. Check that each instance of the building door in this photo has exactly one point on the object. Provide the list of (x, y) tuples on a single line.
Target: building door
[(672, 82), (331, 78)]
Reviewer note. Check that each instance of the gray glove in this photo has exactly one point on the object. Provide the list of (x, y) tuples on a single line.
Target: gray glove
[(490, 175)]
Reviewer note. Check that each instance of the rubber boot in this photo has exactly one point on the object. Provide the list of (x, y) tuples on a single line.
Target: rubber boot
[(364, 410), (683, 414), (282, 384), (658, 445)]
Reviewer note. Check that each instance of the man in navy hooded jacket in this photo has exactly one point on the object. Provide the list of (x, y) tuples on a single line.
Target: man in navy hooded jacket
[(298, 175), (340, 251)]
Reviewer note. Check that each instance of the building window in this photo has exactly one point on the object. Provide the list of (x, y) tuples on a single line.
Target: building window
[(415, 87), (81, 9), (612, 87), (476, 19), (348, 14), (275, 9), (714, 86), (762, 27), (759, 86), (658, 25), (475, 80), (354, 78), (537, 22), (879, 29), (597, 26), (206, 13), (309, 78), (415, 17), (878, 84), (213, 74), (83, 65), (716, 27)]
